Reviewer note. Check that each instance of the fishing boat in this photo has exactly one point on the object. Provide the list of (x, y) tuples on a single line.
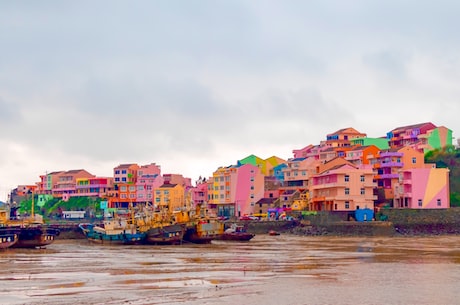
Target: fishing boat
[(8, 237), (237, 232), (202, 229), (273, 233), (113, 231), (160, 226), (36, 236), (171, 234), (33, 232)]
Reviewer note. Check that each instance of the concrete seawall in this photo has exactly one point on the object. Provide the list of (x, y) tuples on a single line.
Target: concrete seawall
[(400, 223)]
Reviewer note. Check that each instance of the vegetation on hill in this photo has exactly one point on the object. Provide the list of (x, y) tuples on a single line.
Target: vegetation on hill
[(53, 208), (448, 157)]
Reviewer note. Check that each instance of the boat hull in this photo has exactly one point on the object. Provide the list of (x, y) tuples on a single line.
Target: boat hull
[(100, 237), (204, 232), (166, 235), (237, 236), (34, 237), (8, 237)]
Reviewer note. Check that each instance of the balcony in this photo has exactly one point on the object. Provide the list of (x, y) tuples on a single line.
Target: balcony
[(389, 176), (390, 154), (318, 199), (392, 164), (328, 185)]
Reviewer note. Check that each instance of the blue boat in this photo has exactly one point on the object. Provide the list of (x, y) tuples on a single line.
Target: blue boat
[(113, 231)]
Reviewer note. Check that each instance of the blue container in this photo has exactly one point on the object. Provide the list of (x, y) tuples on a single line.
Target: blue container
[(364, 215)]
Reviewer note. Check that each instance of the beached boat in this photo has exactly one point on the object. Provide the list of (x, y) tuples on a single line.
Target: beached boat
[(36, 236), (202, 228), (8, 237), (33, 232), (237, 232), (273, 233), (166, 234), (204, 231), (113, 231)]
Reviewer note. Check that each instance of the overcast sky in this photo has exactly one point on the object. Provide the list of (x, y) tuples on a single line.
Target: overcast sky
[(194, 85)]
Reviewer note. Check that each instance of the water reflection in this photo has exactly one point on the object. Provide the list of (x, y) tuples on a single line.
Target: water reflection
[(268, 270)]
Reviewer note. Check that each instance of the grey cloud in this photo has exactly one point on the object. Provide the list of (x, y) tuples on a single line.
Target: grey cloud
[(389, 64)]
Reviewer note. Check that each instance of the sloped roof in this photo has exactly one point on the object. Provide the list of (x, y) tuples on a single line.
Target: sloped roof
[(402, 128)]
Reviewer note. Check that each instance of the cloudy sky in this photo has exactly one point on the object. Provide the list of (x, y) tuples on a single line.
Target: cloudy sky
[(194, 85)]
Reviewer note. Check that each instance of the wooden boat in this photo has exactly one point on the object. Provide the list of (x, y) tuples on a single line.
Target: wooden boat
[(8, 237), (237, 232)]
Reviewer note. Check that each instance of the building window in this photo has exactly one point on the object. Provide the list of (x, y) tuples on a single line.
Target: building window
[(123, 188), (363, 191), (414, 160), (420, 202), (123, 179), (347, 178), (362, 178), (438, 202), (347, 204), (335, 206), (347, 191)]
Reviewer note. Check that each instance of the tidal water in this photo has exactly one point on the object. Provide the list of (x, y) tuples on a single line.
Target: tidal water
[(282, 269)]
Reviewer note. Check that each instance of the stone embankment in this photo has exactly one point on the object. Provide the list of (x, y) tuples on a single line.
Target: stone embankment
[(398, 223)]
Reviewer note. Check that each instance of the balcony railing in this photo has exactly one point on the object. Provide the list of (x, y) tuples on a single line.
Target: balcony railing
[(392, 164), (390, 154), (389, 176)]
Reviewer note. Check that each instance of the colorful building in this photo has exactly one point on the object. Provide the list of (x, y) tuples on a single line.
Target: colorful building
[(345, 187), (297, 174), (66, 183), (381, 143), (342, 137), (234, 190), (423, 137), (361, 154), (170, 197), (93, 187), (423, 188), (125, 173)]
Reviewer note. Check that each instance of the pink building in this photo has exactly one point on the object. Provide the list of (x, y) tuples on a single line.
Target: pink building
[(234, 190), (148, 179), (423, 188), (66, 183)]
